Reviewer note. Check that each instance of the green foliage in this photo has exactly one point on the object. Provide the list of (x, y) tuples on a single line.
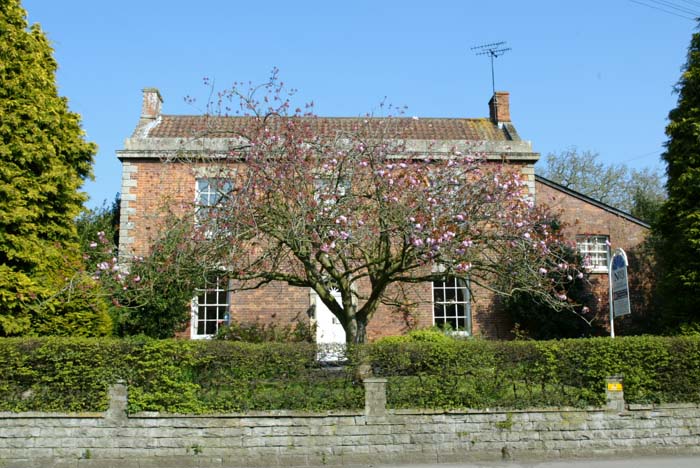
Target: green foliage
[(299, 332), (57, 374), (206, 376), (639, 192), (150, 295), (678, 223), (644, 300), (80, 310), (518, 374), (154, 297), (689, 329), (96, 224), (426, 335), (45, 159), (431, 335), (538, 319), (170, 375), (445, 373), (646, 204)]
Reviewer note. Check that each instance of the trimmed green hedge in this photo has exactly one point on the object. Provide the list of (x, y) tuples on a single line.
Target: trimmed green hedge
[(58, 374), (218, 376), (65, 374), (518, 374)]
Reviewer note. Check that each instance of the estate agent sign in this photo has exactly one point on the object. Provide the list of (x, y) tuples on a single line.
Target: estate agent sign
[(619, 288)]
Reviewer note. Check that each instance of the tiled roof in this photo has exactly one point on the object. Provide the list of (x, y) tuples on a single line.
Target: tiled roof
[(592, 201), (184, 126)]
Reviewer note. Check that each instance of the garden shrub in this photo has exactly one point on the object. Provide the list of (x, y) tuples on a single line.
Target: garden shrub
[(219, 376), (256, 332), (518, 374), (445, 373), (424, 371), (57, 374)]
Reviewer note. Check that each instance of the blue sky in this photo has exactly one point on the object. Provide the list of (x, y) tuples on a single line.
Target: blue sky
[(594, 74)]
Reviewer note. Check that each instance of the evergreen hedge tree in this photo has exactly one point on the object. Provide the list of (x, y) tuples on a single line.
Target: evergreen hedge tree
[(44, 161), (678, 224)]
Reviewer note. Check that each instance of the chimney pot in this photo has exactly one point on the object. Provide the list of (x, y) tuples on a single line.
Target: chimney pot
[(152, 103), (499, 107)]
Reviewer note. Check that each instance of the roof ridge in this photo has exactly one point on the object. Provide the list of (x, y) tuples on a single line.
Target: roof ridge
[(418, 118), (421, 128), (593, 201)]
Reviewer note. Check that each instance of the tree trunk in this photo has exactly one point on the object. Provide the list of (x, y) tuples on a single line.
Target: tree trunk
[(356, 331)]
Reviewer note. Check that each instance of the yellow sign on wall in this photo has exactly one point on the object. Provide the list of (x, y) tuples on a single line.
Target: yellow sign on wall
[(614, 386)]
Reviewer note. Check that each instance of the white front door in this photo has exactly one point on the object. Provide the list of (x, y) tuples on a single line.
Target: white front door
[(330, 335)]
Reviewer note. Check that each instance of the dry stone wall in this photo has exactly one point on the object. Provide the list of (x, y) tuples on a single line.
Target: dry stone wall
[(115, 439)]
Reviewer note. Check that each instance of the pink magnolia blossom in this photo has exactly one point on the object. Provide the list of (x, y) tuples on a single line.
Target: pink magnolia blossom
[(440, 207), (464, 267)]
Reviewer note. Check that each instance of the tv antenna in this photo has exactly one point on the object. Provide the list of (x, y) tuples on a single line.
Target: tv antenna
[(494, 50)]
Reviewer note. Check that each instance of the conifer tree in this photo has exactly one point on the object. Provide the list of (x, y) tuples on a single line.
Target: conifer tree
[(679, 222), (44, 160)]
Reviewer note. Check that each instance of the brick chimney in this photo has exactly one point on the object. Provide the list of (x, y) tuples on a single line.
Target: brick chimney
[(499, 107), (152, 102)]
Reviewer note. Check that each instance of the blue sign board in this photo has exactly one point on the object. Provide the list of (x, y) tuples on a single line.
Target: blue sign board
[(619, 288)]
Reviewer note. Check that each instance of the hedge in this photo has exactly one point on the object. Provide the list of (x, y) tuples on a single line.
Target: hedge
[(73, 374), (518, 374), (177, 376)]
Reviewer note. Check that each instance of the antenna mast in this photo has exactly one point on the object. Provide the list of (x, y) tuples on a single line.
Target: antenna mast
[(494, 50)]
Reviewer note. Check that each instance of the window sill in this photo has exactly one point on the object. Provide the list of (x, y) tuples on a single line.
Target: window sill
[(458, 333), (597, 271), (201, 337)]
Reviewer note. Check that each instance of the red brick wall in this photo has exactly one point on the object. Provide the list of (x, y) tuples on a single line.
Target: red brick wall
[(162, 186), (582, 218), (159, 186), (169, 184), (276, 302)]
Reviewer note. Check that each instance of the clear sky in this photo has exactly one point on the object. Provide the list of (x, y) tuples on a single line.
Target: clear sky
[(595, 74)]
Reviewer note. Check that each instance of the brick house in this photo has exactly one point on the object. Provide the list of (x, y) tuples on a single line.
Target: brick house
[(165, 162), (597, 228)]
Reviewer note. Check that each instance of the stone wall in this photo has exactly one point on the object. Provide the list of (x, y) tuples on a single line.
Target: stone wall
[(375, 435)]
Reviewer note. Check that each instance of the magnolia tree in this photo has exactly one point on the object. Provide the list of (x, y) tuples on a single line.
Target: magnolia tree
[(348, 211)]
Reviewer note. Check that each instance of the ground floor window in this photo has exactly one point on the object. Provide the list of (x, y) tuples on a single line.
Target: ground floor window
[(451, 305), (210, 308), (595, 250)]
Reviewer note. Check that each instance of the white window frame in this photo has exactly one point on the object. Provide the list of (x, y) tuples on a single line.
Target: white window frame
[(595, 250), (207, 308), (323, 183), (209, 196), (454, 308)]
